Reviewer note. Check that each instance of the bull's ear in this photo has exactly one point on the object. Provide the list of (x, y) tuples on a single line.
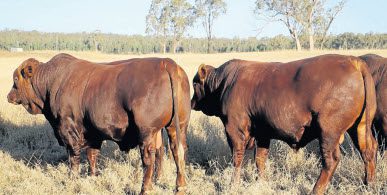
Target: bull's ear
[(202, 71), (29, 67)]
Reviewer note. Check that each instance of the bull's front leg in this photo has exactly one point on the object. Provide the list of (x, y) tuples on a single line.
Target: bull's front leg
[(74, 159), (92, 154), (72, 139), (237, 141), (261, 153)]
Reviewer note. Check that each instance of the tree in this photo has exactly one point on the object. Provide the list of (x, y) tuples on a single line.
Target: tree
[(170, 18), (208, 11), (318, 19), (301, 16), (182, 15), (284, 11), (157, 21), (327, 19)]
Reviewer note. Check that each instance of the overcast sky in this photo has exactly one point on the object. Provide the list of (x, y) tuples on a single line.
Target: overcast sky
[(128, 17)]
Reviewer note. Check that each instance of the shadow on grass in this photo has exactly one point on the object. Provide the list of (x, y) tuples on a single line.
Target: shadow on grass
[(31, 143), (36, 144)]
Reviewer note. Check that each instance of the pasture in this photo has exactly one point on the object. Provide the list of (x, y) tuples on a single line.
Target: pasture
[(32, 162)]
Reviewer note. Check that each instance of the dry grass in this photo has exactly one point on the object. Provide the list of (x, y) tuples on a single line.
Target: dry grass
[(31, 162)]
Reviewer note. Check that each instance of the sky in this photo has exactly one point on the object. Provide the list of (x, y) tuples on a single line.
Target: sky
[(128, 17)]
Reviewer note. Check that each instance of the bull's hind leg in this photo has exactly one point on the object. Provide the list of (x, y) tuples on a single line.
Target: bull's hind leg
[(148, 150), (333, 123), (159, 154), (178, 151), (383, 135), (330, 153), (367, 146)]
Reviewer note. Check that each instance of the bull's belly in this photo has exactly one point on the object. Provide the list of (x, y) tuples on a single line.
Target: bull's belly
[(296, 133)]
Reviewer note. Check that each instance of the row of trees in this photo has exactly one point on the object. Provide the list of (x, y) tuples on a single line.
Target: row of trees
[(113, 43)]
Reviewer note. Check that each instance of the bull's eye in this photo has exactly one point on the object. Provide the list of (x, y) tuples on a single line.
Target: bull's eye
[(16, 79)]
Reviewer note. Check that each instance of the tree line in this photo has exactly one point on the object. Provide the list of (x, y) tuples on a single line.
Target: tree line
[(114, 43)]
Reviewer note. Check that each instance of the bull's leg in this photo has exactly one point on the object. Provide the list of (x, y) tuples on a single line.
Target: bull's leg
[(169, 151), (159, 154), (330, 152), (178, 151), (71, 138), (238, 153), (261, 153), (74, 159), (383, 135), (367, 146), (238, 144), (148, 150), (92, 154), (170, 155)]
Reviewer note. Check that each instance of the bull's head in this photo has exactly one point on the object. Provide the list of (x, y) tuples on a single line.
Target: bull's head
[(22, 91), (201, 89)]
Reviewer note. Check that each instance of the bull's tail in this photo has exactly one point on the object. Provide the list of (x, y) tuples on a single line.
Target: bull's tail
[(370, 100), (172, 70), (366, 142)]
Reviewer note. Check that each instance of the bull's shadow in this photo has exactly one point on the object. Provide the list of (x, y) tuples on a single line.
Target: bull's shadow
[(33, 143), (36, 144)]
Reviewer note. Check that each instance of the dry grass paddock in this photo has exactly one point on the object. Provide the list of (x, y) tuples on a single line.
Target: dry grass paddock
[(31, 161)]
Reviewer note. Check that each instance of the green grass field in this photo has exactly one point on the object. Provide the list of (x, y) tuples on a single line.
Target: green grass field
[(31, 161)]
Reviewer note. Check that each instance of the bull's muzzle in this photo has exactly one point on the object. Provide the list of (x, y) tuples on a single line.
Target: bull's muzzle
[(12, 98), (193, 104)]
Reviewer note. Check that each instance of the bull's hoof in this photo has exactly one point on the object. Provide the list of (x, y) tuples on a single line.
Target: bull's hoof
[(95, 174), (74, 175), (181, 190), (146, 192), (157, 177)]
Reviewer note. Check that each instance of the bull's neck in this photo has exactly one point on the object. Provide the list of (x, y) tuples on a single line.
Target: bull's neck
[(213, 92), (40, 81), (213, 81)]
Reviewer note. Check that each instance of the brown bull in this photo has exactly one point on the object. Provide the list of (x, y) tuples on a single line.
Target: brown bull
[(296, 102), (128, 103), (378, 68)]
